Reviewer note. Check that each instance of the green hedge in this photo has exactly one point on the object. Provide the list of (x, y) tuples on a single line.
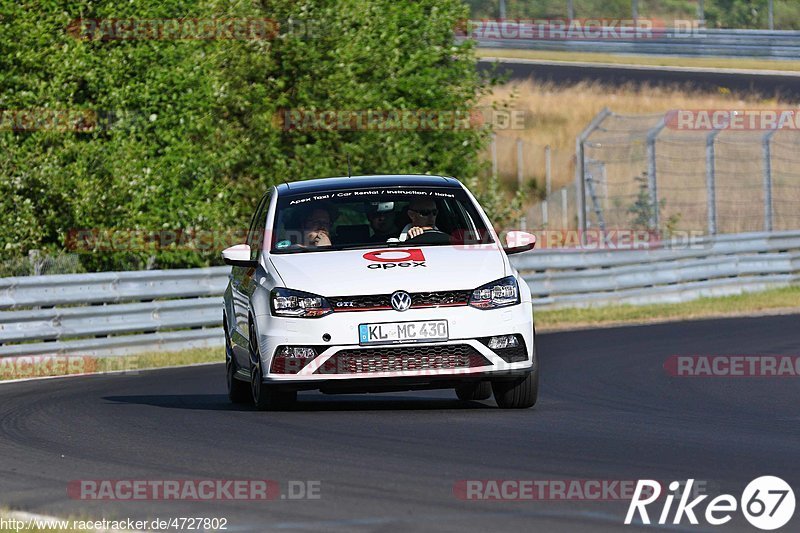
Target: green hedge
[(190, 140)]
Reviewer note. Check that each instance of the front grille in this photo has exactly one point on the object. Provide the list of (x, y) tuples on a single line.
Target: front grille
[(419, 300), (400, 358)]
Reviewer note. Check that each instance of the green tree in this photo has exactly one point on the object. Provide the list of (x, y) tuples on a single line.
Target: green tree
[(193, 141), (736, 13)]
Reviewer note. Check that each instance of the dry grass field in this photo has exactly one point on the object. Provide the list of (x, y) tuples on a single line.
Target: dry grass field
[(556, 115)]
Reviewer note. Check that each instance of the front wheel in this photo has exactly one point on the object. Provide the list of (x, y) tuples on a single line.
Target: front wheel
[(238, 391), (482, 390), (520, 393), (265, 397)]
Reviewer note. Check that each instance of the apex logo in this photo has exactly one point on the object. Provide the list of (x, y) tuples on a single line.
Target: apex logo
[(394, 258), (391, 255)]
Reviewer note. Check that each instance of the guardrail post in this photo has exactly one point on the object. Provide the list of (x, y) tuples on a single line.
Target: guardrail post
[(580, 169), (711, 190), (652, 183), (767, 153)]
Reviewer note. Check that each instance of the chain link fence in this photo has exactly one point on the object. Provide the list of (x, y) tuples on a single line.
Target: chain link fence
[(644, 172), (38, 264)]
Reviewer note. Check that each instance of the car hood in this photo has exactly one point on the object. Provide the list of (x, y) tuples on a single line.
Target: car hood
[(382, 270)]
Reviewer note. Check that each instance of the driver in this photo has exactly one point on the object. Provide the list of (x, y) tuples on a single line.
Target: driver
[(422, 212)]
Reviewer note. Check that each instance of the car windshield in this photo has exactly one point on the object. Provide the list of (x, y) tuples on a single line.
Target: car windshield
[(383, 216)]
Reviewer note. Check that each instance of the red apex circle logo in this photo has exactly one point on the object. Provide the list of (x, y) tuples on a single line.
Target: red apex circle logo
[(395, 256)]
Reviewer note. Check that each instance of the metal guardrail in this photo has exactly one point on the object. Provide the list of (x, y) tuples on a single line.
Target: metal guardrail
[(726, 264), (702, 42), (127, 312)]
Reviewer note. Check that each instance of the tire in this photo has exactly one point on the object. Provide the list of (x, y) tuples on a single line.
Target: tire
[(520, 393), (238, 391), (265, 397), (482, 390)]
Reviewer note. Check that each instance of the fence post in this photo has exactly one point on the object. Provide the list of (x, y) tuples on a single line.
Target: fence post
[(494, 155), (580, 169), (767, 152), (34, 257), (634, 10), (771, 9), (548, 176), (523, 221), (547, 186), (701, 10), (564, 207), (652, 182), (570, 10), (711, 190), (593, 192)]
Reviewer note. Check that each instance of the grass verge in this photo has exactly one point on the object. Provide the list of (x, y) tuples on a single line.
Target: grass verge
[(775, 301), (655, 61)]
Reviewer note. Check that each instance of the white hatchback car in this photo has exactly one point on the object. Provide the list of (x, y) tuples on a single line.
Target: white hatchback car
[(373, 284)]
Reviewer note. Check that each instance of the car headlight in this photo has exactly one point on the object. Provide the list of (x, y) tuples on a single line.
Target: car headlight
[(500, 293), (298, 304)]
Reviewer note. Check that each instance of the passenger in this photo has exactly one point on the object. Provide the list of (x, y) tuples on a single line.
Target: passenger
[(317, 228), (381, 221)]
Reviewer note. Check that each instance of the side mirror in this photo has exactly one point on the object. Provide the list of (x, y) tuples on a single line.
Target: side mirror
[(519, 241), (238, 256)]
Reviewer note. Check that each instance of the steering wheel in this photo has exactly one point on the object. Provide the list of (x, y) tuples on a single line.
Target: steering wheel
[(430, 236)]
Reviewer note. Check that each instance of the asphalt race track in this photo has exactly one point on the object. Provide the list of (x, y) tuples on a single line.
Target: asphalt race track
[(607, 410), (768, 84)]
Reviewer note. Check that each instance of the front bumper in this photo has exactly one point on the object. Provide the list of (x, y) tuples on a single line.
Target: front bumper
[(466, 326)]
